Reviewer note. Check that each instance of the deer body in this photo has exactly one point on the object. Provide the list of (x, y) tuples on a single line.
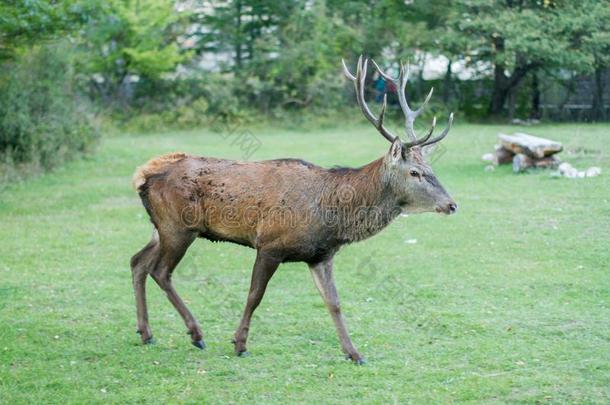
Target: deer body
[(295, 210), (286, 209)]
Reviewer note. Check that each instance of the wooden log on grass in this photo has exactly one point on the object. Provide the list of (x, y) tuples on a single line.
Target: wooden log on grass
[(549, 162), (523, 162), (503, 155), (529, 145)]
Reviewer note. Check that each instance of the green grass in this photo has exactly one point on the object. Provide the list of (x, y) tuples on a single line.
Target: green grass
[(508, 301)]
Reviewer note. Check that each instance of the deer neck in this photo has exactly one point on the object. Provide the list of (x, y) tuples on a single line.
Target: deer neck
[(359, 201)]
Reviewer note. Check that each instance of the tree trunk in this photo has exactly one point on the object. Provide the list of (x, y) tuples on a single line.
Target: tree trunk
[(238, 36), (500, 90), (512, 97), (504, 84), (498, 99), (597, 112), (535, 96), (447, 85)]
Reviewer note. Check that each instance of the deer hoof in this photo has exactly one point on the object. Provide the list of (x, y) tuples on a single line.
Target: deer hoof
[(200, 344), (244, 353), (149, 341), (359, 361)]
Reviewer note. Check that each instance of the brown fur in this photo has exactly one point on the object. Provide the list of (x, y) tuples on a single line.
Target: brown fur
[(154, 166), (287, 203)]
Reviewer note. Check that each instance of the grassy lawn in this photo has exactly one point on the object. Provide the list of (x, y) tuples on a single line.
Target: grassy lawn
[(508, 301)]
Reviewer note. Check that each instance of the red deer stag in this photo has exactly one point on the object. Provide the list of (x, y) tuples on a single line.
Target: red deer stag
[(287, 209)]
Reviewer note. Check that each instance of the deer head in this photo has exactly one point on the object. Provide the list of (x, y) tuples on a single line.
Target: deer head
[(409, 176)]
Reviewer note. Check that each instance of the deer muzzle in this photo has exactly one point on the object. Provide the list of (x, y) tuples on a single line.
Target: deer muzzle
[(449, 208)]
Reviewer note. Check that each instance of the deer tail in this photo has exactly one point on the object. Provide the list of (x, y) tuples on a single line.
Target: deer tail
[(154, 166)]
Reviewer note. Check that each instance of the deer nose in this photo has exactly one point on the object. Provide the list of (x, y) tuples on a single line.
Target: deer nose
[(452, 208)]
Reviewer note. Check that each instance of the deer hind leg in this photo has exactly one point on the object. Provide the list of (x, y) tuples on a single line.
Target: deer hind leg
[(171, 250), (141, 262), (323, 278), (264, 268)]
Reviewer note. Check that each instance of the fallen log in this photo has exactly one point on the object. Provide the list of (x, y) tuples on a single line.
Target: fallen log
[(523, 162), (503, 155), (529, 145)]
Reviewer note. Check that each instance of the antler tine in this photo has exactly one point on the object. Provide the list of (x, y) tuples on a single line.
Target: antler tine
[(401, 85), (443, 134), (382, 73), (423, 139), (410, 115), (359, 81), (383, 108), (346, 71), (428, 97)]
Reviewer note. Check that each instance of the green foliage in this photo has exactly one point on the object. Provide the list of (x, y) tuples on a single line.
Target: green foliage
[(131, 37), (287, 53), (524, 36), (26, 22), (547, 34), (306, 70), (163, 63), (185, 102), (588, 30), (42, 120)]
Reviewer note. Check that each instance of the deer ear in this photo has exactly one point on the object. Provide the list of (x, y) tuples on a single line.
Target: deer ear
[(395, 150)]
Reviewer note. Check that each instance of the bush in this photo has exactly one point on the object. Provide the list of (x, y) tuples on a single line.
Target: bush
[(180, 103), (43, 121)]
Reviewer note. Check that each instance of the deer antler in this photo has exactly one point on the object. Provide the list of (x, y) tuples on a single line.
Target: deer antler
[(359, 85), (410, 115)]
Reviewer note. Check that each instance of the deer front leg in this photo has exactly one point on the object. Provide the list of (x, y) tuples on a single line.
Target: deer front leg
[(192, 325), (323, 277), (263, 270)]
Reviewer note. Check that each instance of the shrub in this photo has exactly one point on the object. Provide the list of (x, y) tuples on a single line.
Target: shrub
[(43, 121), (182, 102)]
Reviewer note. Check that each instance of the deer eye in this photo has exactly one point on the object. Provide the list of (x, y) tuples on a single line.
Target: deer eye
[(414, 173)]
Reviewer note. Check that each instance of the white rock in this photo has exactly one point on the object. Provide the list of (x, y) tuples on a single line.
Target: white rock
[(567, 170), (593, 171), (488, 157)]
